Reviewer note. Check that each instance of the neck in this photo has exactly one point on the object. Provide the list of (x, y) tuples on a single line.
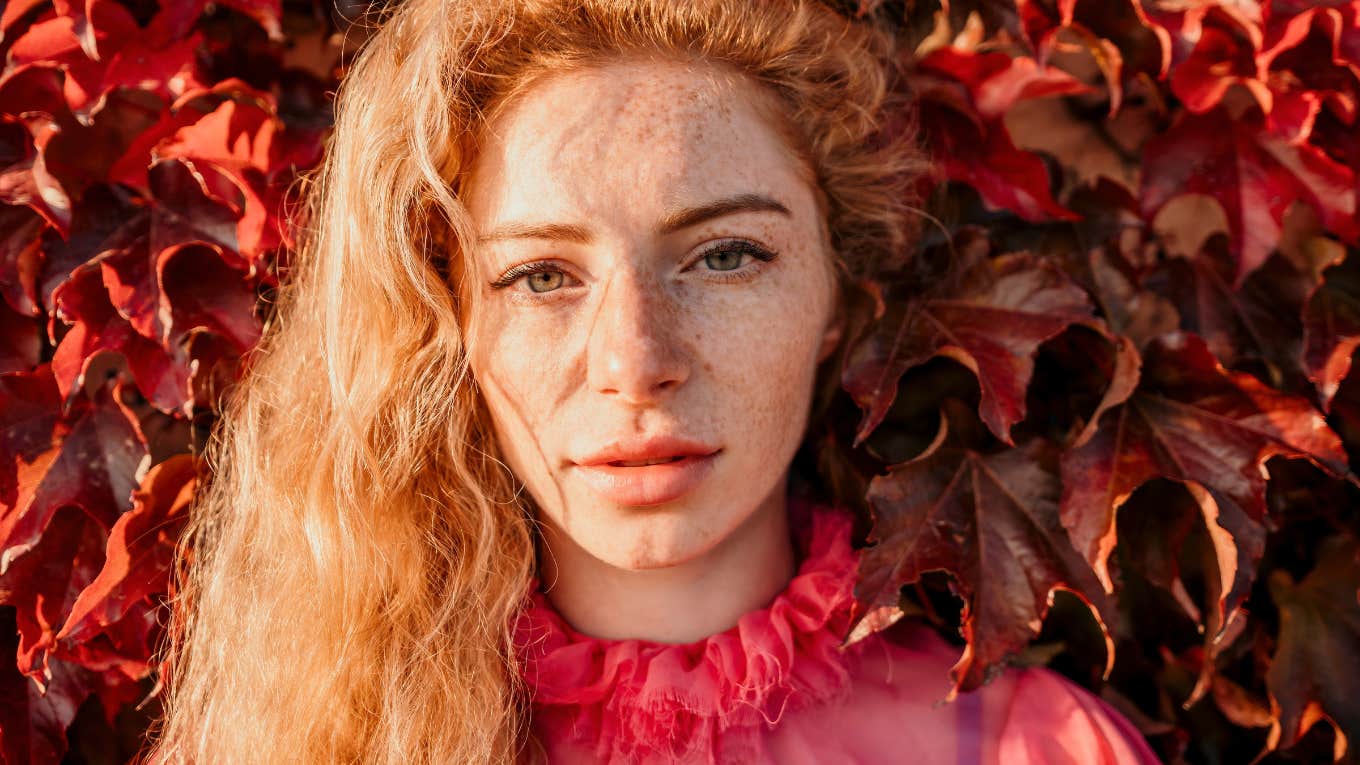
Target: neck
[(683, 603)]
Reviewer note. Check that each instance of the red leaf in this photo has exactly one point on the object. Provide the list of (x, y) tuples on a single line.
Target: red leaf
[(141, 549), (1224, 55), (1310, 68), (121, 649), (993, 324), (1254, 178), (91, 463), (15, 10), (238, 141), (1318, 655), (1194, 422), (30, 181), (991, 521), (43, 582), (984, 157), (108, 52), (182, 289), (206, 293), (30, 410), (192, 205), (97, 328), (996, 81), (962, 98)]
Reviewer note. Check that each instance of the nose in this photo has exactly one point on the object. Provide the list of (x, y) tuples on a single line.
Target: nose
[(633, 351)]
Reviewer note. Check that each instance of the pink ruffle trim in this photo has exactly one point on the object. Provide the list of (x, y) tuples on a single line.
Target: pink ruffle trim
[(707, 701)]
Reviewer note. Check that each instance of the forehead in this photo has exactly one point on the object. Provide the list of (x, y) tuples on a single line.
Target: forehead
[(642, 133)]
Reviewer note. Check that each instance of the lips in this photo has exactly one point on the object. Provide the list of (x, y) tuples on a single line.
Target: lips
[(646, 472), (647, 449)]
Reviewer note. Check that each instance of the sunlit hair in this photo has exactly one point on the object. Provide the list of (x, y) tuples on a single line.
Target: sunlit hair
[(360, 552)]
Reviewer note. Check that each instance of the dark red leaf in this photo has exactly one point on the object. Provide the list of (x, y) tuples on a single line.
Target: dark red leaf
[(206, 293), (92, 463), (1005, 308), (43, 583), (21, 258), (1256, 322), (1166, 528), (1318, 655), (1194, 422), (1119, 36), (992, 522), (107, 219), (124, 648), (1309, 69), (33, 723), (1331, 327), (30, 180), (20, 341), (189, 208)]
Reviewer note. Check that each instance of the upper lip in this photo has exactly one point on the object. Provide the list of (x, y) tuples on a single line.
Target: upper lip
[(647, 448)]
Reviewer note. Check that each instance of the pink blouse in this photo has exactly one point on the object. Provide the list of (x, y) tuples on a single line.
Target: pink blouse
[(778, 688)]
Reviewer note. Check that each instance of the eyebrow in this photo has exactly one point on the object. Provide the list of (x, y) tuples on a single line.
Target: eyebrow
[(670, 223)]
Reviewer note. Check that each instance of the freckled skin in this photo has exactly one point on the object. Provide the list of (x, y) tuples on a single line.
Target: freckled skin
[(642, 335)]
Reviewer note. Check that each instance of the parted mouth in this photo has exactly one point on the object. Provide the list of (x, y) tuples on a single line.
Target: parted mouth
[(644, 463), (649, 450)]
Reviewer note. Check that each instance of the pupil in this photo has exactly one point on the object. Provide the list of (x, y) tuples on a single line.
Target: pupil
[(730, 257), (549, 280)]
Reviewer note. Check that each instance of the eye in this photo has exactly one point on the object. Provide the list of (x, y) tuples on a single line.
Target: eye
[(726, 256), (541, 276), (544, 281)]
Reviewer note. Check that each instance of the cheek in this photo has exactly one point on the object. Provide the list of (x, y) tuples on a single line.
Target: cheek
[(519, 370), (760, 351)]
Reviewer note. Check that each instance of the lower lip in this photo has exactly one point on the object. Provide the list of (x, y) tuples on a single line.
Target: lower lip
[(647, 484)]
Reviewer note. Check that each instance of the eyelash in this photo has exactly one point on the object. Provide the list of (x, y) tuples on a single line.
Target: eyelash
[(743, 246)]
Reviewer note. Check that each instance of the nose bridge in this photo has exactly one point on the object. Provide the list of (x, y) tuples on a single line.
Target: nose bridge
[(632, 348)]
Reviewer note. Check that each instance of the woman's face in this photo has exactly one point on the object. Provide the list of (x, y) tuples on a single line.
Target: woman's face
[(652, 280)]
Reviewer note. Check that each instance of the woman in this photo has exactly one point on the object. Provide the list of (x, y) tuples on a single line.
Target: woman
[(510, 478)]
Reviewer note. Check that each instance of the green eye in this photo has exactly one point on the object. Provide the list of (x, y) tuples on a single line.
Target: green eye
[(545, 281), (726, 256), (723, 260)]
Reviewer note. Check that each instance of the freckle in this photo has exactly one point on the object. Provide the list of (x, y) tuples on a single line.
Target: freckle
[(708, 367)]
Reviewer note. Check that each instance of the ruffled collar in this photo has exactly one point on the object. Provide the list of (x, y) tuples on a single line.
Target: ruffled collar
[(707, 701)]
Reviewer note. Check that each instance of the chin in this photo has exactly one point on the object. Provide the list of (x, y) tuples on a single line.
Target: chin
[(653, 543)]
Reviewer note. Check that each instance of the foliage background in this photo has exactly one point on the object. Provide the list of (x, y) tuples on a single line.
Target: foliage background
[(1105, 419)]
